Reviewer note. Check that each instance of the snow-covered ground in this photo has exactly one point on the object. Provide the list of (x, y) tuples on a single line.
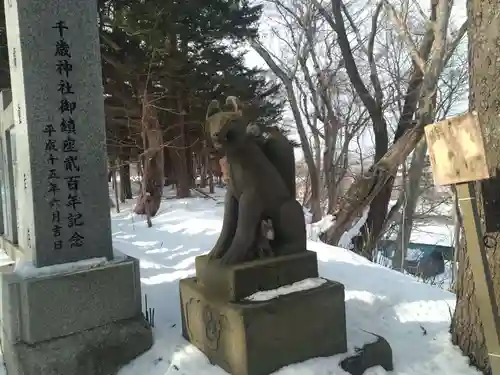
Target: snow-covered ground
[(412, 316)]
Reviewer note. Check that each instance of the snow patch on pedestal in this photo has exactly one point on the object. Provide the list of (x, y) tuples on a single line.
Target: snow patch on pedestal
[(305, 284), (26, 269)]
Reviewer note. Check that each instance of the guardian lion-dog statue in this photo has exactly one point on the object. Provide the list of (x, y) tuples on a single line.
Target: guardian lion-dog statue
[(261, 188)]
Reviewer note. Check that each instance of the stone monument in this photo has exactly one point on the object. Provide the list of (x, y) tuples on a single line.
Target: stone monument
[(82, 315), (242, 333)]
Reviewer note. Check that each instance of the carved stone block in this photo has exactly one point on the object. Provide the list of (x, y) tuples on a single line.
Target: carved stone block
[(258, 338), (233, 282), (79, 300)]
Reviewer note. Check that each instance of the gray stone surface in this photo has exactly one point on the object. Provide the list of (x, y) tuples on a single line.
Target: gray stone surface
[(7, 168), (78, 321), (40, 308), (99, 351), (234, 282), (36, 52), (258, 338)]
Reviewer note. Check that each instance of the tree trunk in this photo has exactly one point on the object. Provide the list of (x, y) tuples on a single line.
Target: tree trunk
[(204, 168), (115, 184), (317, 151), (111, 173), (412, 192), (125, 183), (324, 111), (413, 189), (374, 227), (149, 199), (484, 86), (373, 232), (168, 168), (466, 327), (364, 189), (378, 206), (210, 173), (190, 163), (330, 168), (178, 153), (308, 157)]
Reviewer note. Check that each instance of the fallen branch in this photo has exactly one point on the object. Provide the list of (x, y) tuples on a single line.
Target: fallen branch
[(365, 189), (203, 193)]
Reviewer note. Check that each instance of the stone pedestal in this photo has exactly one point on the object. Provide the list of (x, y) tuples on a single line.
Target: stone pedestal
[(257, 338), (79, 322), (241, 280)]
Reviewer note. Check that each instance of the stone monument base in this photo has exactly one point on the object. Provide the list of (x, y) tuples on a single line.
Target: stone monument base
[(98, 351), (79, 322), (247, 337)]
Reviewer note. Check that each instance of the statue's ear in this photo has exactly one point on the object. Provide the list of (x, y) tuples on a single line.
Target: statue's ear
[(234, 103), (213, 108)]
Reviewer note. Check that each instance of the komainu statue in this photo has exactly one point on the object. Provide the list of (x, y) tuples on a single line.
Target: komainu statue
[(260, 204)]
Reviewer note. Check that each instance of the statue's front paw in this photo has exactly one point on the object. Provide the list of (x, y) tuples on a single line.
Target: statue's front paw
[(216, 253), (232, 257)]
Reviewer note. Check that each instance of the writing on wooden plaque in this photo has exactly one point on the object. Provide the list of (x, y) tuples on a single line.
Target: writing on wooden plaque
[(456, 150)]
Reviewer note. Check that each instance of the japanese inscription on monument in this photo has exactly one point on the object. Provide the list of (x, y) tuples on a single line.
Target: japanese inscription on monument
[(69, 148), (57, 88)]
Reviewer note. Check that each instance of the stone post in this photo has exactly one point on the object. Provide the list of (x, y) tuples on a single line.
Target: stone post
[(9, 222), (57, 95), (83, 314)]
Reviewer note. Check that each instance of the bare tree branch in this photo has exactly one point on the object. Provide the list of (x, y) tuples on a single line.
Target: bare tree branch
[(379, 96), (454, 44), (405, 34), (350, 65), (306, 149)]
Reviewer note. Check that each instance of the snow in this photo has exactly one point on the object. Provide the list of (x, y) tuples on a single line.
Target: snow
[(302, 285), (5, 260), (26, 269), (314, 230), (431, 234), (346, 239), (443, 235), (412, 316)]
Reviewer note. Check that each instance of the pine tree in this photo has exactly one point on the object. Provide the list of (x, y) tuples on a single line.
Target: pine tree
[(183, 50)]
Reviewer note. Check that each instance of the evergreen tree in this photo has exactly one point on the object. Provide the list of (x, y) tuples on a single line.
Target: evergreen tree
[(183, 50), (182, 53)]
